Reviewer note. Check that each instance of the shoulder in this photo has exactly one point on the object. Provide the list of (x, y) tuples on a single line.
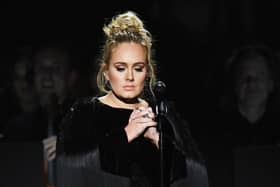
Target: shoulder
[(80, 111), (83, 101), (76, 126), (82, 104)]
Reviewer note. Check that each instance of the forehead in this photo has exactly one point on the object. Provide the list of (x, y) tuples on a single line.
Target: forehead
[(50, 62), (254, 64), (129, 52), (21, 66), (50, 57)]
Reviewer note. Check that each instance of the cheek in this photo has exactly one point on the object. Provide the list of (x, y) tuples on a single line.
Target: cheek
[(239, 90), (114, 77), (142, 78), (37, 80), (142, 81), (58, 78)]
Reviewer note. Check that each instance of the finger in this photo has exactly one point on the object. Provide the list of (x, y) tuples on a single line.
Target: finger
[(51, 156), (143, 119), (52, 149), (151, 124), (49, 140), (141, 114), (133, 115), (50, 153), (141, 108), (151, 130), (145, 111), (50, 146), (151, 115)]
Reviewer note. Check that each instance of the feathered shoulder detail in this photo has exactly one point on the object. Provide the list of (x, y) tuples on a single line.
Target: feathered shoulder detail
[(77, 129)]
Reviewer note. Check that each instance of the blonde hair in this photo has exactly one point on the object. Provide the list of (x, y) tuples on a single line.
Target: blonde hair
[(125, 27)]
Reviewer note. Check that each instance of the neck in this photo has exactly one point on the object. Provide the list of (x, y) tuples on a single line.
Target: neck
[(252, 113), (134, 100), (114, 100)]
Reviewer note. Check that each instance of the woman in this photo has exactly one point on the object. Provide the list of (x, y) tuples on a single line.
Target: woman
[(113, 139)]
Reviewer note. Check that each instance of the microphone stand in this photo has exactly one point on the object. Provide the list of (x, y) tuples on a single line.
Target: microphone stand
[(52, 110), (51, 164), (161, 110)]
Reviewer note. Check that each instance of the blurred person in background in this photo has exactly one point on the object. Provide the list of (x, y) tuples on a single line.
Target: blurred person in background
[(51, 78), (21, 98), (248, 109), (250, 102)]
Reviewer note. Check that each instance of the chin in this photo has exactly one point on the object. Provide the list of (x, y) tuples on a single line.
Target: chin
[(129, 97)]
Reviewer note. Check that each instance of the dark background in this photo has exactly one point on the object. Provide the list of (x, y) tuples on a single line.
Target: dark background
[(192, 38)]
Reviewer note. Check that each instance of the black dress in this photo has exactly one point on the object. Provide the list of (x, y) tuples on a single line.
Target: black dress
[(93, 150)]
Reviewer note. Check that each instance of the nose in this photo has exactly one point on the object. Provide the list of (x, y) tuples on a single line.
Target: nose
[(251, 79), (130, 76)]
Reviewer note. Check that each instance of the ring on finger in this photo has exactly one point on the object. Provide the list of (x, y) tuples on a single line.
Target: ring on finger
[(146, 116)]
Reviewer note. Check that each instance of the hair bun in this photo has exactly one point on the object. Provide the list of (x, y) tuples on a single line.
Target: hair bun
[(127, 22)]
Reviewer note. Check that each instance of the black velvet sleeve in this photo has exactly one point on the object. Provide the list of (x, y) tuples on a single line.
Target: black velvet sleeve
[(82, 133), (79, 152), (77, 134), (114, 152), (181, 135), (76, 146), (185, 148)]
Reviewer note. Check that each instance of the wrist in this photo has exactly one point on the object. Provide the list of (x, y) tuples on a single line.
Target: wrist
[(128, 134)]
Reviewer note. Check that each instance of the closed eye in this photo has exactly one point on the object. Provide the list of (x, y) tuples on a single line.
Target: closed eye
[(120, 69), (139, 69)]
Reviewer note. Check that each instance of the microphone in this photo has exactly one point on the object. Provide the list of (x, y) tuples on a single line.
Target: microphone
[(160, 89), (160, 97)]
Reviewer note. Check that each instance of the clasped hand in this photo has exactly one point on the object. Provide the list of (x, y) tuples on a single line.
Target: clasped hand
[(142, 121), (50, 147)]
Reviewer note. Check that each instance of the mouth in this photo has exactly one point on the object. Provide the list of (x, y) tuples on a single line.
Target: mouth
[(47, 84), (129, 88)]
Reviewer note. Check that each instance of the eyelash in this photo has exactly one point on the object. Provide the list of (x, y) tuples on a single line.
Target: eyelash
[(138, 69)]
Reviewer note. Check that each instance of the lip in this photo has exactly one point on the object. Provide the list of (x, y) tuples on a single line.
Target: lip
[(129, 87)]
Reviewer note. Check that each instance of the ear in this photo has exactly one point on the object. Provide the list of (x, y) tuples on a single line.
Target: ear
[(105, 71), (105, 74)]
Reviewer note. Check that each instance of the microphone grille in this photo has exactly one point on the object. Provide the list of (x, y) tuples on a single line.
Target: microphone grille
[(160, 89)]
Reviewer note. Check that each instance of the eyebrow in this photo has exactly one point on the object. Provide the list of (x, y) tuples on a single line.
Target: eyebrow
[(125, 63)]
